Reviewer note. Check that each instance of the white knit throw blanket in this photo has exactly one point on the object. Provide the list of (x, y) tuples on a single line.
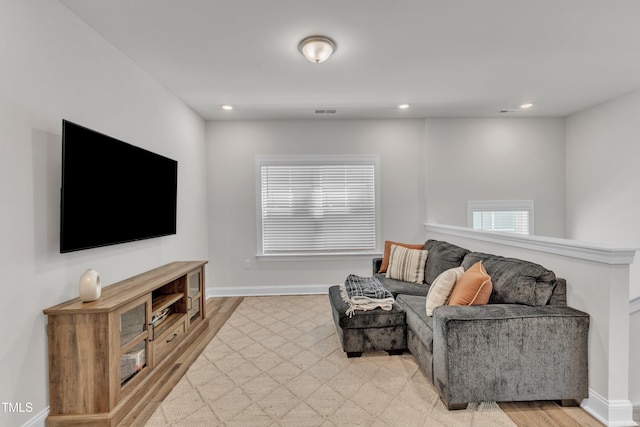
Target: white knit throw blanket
[(365, 293)]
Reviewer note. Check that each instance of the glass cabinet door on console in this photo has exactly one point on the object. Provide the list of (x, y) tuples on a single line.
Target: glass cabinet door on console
[(134, 339), (196, 300)]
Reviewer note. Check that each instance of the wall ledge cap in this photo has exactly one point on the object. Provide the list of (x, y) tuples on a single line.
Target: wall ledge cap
[(565, 247)]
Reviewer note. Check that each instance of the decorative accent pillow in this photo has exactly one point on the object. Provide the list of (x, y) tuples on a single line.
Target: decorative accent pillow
[(473, 288), (387, 252), (441, 288), (406, 264)]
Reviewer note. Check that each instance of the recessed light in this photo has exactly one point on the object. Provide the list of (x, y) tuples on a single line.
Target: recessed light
[(404, 106), (227, 107), (527, 105)]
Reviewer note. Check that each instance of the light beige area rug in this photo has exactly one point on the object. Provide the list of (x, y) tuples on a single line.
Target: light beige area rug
[(278, 362)]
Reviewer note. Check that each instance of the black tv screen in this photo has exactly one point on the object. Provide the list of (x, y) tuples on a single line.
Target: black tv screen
[(113, 192)]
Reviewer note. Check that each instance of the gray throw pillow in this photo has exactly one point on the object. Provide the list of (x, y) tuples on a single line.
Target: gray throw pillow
[(515, 281), (442, 256)]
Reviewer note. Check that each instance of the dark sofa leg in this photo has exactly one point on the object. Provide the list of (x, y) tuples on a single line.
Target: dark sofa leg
[(569, 402), (454, 406), (395, 352), (354, 353)]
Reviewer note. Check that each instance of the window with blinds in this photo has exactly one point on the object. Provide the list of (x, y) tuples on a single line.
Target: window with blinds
[(318, 205), (514, 216)]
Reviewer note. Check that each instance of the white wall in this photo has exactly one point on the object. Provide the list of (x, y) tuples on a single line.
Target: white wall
[(603, 182), (53, 67), (496, 159), (430, 168), (232, 147), (603, 176)]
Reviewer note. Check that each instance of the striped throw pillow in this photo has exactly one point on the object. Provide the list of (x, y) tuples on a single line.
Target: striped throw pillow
[(406, 264), (441, 288)]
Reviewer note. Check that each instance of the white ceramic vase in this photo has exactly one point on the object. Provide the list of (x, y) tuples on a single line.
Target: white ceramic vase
[(90, 288)]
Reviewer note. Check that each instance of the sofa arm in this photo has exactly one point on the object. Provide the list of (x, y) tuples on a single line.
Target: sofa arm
[(509, 352), (376, 263)]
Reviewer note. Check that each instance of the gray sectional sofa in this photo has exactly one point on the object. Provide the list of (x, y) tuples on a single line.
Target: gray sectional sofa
[(526, 344)]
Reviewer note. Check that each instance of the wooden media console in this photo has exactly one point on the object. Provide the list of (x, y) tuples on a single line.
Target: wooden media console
[(108, 355)]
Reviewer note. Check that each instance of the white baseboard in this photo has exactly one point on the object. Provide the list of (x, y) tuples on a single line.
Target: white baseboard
[(247, 291), (39, 420), (612, 413)]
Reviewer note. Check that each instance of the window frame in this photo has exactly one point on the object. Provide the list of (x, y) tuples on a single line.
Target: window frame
[(319, 160), (500, 206)]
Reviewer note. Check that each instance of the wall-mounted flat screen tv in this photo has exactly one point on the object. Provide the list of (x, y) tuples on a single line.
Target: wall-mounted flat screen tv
[(113, 192)]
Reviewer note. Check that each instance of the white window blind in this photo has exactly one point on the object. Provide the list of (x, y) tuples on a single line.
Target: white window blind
[(503, 216), (316, 206)]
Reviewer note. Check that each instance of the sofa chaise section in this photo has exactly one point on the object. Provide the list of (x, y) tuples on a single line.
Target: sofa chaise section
[(368, 330)]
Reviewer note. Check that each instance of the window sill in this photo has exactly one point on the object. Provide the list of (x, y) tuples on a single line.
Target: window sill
[(319, 257)]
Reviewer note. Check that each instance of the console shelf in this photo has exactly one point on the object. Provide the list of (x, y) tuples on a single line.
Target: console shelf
[(164, 301), (107, 356)]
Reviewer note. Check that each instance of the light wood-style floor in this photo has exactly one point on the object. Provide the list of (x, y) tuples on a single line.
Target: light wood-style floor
[(524, 414), (544, 413)]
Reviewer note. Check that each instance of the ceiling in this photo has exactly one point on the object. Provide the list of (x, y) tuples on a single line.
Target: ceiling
[(447, 58)]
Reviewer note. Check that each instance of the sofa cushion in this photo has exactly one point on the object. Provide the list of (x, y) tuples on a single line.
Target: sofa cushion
[(442, 256), (406, 264), (387, 252), (397, 287), (376, 318), (559, 295), (473, 288), (441, 288), (417, 319), (515, 281)]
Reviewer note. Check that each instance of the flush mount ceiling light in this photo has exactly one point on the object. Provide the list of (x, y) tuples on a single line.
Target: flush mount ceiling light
[(526, 105), (317, 48), (404, 106), (227, 107)]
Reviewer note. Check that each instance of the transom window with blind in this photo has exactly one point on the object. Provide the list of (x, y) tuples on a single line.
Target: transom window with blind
[(509, 216), (318, 205)]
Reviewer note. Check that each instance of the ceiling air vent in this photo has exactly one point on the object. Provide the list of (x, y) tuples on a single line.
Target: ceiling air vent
[(325, 111)]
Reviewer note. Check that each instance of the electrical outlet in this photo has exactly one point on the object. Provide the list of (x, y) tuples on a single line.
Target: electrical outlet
[(247, 263)]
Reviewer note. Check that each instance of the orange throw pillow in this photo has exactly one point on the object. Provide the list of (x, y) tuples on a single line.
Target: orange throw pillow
[(473, 287), (387, 252)]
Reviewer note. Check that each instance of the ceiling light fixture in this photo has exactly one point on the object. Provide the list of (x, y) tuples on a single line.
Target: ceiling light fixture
[(527, 105), (404, 106), (227, 107), (317, 48)]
